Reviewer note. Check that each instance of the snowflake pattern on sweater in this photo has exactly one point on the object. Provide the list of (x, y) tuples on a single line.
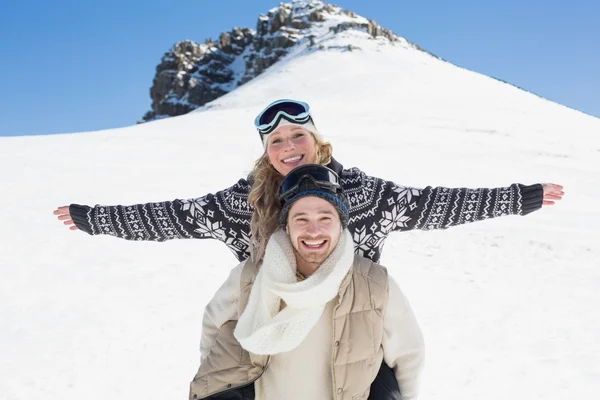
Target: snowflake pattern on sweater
[(377, 207)]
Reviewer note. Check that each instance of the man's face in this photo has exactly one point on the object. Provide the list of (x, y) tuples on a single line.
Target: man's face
[(314, 228)]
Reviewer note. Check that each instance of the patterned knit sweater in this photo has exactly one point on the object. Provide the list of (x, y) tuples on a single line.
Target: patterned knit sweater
[(377, 207)]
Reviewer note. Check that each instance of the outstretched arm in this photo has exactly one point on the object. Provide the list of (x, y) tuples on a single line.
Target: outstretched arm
[(224, 216), (441, 208)]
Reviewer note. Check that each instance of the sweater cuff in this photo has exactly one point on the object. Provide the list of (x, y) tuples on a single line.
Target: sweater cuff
[(79, 215), (532, 197)]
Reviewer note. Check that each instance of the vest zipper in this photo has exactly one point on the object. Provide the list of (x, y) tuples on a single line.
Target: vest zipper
[(334, 352), (336, 349)]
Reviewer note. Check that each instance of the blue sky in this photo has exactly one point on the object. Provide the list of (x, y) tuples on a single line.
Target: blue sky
[(71, 66)]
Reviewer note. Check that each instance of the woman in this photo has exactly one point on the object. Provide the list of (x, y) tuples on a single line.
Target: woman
[(244, 215)]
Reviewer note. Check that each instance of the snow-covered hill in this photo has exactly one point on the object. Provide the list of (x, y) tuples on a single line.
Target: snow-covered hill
[(509, 307)]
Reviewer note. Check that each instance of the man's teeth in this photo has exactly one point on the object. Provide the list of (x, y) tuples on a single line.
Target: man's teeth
[(313, 243), (292, 159)]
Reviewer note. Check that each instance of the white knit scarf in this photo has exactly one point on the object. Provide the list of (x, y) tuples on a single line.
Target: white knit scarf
[(263, 328)]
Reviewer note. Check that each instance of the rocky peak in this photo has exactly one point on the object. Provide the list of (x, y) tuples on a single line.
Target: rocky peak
[(191, 74)]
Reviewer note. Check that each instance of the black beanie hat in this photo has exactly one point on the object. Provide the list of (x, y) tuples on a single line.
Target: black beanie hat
[(308, 188)]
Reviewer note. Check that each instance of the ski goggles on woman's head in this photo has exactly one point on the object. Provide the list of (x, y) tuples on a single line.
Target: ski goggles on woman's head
[(321, 177), (294, 111)]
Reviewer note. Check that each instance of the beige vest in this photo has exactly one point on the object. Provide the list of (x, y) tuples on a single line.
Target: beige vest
[(357, 336)]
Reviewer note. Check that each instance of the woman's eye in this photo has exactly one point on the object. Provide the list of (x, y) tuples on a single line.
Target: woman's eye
[(275, 141), (298, 135)]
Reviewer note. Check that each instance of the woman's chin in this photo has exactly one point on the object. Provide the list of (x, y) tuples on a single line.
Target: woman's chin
[(285, 169)]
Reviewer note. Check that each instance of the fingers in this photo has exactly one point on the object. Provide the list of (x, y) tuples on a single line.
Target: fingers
[(554, 186), (552, 193), (63, 213), (551, 196), (61, 210), (65, 216)]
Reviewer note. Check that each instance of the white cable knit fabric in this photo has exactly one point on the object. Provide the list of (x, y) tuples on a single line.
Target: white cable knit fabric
[(265, 329)]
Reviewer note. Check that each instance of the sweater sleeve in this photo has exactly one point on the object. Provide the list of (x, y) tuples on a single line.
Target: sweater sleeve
[(224, 216), (403, 345), (441, 207), (222, 308)]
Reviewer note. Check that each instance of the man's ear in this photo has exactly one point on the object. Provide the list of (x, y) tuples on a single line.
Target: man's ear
[(287, 230)]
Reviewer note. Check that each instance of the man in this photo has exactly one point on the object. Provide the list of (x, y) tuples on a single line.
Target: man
[(312, 321)]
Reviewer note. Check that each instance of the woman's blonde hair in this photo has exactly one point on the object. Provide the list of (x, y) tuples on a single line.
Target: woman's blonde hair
[(264, 197)]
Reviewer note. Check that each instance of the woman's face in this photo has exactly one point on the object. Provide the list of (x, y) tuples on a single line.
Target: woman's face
[(289, 147)]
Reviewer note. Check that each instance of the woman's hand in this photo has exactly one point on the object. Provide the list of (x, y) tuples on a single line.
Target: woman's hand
[(552, 193), (64, 215)]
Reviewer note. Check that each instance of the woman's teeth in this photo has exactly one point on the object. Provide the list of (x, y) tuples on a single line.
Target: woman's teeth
[(292, 159)]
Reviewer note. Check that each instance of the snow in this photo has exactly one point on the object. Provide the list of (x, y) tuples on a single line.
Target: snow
[(509, 307)]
